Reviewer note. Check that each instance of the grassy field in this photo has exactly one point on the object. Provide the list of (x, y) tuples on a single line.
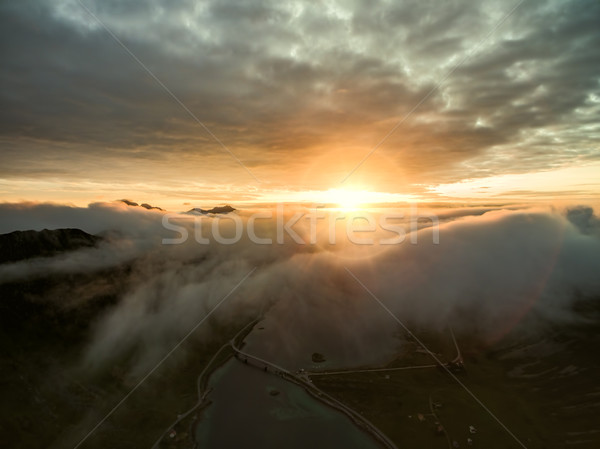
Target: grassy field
[(542, 409)]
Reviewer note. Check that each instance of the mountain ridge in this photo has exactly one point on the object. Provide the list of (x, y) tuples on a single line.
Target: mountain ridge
[(215, 210), (20, 245)]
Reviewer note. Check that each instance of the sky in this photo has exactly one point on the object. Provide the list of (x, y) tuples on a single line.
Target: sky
[(195, 103)]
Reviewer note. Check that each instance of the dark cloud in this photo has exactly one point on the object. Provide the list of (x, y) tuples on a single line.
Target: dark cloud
[(281, 80), (584, 218)]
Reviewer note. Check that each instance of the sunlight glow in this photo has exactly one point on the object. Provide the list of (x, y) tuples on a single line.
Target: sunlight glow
[(579, 180), (352, 199), (338, 198), (348, 199)]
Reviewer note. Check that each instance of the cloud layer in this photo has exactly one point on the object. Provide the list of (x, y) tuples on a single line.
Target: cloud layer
[(289, 87), (488, 271)]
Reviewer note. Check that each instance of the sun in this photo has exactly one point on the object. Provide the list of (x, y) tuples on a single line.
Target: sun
[(346, 199)]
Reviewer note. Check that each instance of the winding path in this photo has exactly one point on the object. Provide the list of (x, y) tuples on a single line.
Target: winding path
[(303, 380), (457, 359), (202, 394), (306, 383)]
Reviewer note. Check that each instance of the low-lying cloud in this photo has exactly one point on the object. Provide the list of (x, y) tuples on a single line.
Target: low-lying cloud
[(488, 271)]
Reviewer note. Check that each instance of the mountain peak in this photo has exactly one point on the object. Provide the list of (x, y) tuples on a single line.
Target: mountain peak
[(215, 210), (144, 205)]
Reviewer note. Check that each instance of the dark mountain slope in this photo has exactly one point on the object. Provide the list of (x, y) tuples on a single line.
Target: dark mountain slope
[(20, 245)]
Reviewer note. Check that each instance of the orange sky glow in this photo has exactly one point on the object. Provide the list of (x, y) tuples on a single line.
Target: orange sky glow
[(299, 104)]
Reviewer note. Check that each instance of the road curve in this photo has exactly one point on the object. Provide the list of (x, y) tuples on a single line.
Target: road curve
[(301, 380), (201, 393), (319, 394)]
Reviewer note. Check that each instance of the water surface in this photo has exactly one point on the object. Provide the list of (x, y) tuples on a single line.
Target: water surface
[(254, 409)]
